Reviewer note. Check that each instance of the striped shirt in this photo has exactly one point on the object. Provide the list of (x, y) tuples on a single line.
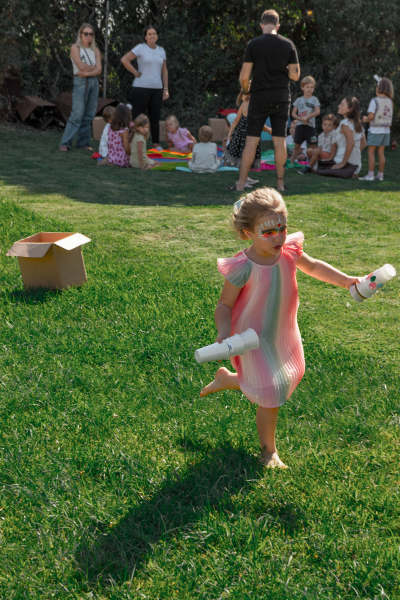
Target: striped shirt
[(87, 56)]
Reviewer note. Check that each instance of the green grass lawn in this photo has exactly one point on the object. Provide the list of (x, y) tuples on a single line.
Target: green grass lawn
[(116, 480)]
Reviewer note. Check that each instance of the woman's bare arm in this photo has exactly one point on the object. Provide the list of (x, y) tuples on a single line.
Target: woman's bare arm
[(127, 62), (164, 78), (83, 67)]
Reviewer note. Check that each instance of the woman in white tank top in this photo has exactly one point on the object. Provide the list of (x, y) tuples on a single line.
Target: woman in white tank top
[(86, 66)]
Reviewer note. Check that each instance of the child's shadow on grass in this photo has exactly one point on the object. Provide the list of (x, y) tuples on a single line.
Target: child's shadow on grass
[(208, 484)]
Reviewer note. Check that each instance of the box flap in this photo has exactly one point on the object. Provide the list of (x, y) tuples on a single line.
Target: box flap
[(73, 241), (28, 250)]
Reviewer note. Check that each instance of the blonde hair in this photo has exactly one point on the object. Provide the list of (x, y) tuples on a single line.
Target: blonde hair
[(248, 209), (141, 121), (173, 119), (307, 80), (385, 86), (78, 42), (205, 134)]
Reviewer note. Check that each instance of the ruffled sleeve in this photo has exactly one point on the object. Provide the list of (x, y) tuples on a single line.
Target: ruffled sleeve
[(236, 270), (294, 244)]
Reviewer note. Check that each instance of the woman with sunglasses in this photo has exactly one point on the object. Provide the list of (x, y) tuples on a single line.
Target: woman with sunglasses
[(150, 86), (86, 64)]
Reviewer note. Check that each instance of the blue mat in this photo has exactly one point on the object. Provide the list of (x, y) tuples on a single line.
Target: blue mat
[(187, 170)]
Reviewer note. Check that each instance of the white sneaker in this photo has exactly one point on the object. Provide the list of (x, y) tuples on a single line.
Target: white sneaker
[(367, 178), (378, 178)]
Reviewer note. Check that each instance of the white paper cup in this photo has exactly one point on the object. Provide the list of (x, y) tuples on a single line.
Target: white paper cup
[(233, 346), (213, 352), (372, 283)]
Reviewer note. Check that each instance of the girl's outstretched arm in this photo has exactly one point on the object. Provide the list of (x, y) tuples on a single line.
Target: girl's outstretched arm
[(223, 312), (325, 272)]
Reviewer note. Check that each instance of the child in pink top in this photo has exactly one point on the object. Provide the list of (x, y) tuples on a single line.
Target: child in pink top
[(178, 138), (119, 137), (260, 291)]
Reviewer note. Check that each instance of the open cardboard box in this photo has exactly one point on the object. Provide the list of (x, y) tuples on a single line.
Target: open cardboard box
[(51, 260), (219, 128)]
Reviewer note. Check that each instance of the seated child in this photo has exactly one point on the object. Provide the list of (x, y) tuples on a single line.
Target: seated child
[(204, 159), (290, 142), (140, 135), (179, 138), (305, 109), (326, 144), (118, 137), (107, 115)]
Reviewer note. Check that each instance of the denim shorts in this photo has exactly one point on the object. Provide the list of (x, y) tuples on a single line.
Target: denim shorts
[(378, 139)]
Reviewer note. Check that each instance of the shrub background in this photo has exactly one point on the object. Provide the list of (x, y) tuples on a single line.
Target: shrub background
[(342, 45)]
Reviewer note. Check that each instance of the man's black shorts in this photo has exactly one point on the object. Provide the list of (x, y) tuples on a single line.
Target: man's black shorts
[(259, 112), (305, 133)]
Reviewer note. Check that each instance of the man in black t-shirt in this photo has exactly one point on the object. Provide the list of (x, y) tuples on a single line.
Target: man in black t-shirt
[(273, 61)]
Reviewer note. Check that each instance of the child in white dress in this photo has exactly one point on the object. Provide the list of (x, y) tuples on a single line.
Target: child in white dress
[(380, 115), (107, 115)]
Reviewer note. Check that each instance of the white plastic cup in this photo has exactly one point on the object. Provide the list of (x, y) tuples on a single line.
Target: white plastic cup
[(377, 79), (372, 283), (233, 346)]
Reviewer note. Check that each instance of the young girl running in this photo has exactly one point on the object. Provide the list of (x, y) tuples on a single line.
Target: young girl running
[(139, 158), (179, 138), (237, 140), (260, 291), (118, 137), (380, 115)]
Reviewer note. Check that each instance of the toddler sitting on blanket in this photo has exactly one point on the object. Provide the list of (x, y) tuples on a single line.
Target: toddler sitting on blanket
[(178, 138), (204, 154)]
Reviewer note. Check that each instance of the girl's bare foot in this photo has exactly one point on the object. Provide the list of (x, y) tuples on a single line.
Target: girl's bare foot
[(224, 380), (64, 148), (272, 460), (103, 162)]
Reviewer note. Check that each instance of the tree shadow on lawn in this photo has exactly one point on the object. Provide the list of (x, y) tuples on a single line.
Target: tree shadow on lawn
[(42, 171), (208, 484)]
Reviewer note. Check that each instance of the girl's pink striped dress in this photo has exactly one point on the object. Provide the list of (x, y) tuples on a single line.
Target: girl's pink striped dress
[(268, 303)]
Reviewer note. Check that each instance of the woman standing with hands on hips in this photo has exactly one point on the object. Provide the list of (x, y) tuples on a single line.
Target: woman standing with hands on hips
[(150, 86), (86, 64)]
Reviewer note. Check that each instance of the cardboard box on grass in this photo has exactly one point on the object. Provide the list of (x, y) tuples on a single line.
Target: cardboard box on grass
[(219, 127), (98, 126), (51, 260)]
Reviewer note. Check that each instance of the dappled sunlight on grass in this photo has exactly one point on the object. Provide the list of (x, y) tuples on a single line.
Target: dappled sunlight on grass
[(118, 481)]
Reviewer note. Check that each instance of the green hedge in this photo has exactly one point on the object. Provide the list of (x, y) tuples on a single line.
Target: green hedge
[(341, 44)]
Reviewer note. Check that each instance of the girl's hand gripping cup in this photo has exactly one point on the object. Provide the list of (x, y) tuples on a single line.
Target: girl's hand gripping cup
[(232, 346), (371, 283)]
